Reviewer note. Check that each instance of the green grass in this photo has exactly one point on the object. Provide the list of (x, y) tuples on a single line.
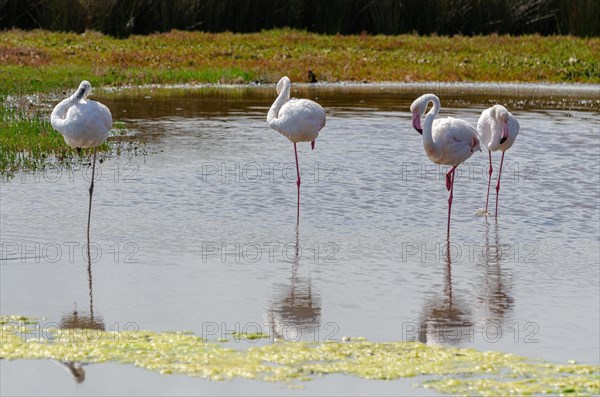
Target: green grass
[(42, 61), (28, 142)]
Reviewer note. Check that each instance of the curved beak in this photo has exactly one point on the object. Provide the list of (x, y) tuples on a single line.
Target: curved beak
[(475, 144), (416, 122), (504, 135)]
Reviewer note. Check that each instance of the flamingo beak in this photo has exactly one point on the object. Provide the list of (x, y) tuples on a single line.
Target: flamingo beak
[(80, 94), (475, 144), (416, 121), (312, 145), (504, 135)]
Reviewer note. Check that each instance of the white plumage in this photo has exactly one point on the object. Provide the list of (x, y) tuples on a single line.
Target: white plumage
[(83, 123), (453, 141), (299, 120), (446, 141), (498, 130), (495, 124)]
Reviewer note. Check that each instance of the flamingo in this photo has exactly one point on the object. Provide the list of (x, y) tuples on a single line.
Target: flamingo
[(83, 123), (299, 120), (447, 141), (497, 129)]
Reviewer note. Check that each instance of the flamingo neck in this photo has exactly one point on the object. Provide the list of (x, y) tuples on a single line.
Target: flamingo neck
[(430, 145), (273, 115), (498, 128), (58, 116)]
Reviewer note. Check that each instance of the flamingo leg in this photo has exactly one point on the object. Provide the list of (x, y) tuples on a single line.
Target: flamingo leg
[(90, 205), (297, 166), (297, 181), (498, 184), (489, 182), (450, 177)]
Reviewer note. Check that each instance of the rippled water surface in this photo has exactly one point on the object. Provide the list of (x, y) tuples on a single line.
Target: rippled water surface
[(201, 235)]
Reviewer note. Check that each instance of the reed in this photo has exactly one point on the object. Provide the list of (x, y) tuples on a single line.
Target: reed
[(121, 18)]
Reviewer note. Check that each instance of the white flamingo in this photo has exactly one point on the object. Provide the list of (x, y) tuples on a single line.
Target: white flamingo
[(447, 141), (497, 129), (299, 120), (83, 123)]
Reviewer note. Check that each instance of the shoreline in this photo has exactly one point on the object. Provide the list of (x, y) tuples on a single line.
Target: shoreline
[(592, 91)]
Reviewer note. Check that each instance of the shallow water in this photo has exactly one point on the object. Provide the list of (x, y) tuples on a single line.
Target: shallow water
[(201, 235)]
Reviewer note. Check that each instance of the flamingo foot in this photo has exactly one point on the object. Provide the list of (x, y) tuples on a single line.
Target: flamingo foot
[(312, 144)]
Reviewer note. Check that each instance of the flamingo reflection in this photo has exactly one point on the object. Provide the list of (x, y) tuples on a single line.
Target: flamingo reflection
[(82, 320), (296, 309), (446, 318), (494, 298)]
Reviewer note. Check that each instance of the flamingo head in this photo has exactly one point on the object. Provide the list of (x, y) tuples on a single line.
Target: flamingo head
[(417, 109), (502, 117), (283, 83), (83, 90)]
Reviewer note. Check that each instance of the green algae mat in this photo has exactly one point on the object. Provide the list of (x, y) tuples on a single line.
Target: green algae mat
[(445, 369)]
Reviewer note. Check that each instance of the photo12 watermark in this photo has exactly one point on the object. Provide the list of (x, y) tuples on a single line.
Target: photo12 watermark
[(470, 171), (67, 251), (254, 252), (489, 332), (471, 252), (474, 91), (113, 172), (273, 171), (130, 332), (254, 331), (53, 332)]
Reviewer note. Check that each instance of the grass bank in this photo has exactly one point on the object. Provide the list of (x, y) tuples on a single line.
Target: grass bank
[(28, 142), (42, 61)]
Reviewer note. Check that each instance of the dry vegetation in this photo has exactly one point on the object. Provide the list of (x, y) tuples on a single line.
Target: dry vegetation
[(42, 61)]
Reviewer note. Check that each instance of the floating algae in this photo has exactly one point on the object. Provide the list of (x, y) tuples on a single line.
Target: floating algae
[(482, 212), (249, 336), (454, 370)]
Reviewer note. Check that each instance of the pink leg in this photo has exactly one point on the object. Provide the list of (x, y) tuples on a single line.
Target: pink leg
[(489, 182), (91, 190), (297, 181), (498, 184), (450, 176), (297, 167), (449, 179)]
